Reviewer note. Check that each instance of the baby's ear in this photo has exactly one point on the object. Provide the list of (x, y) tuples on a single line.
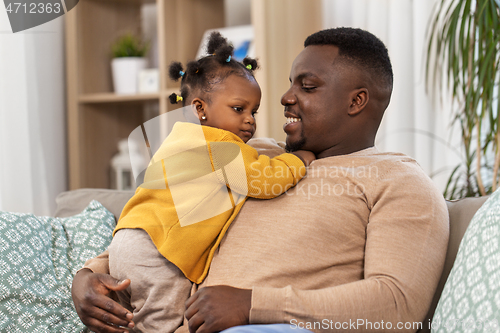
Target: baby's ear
[(198, 106)]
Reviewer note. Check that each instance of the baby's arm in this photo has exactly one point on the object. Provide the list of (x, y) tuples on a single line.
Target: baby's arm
[(270, 177), (262, 177), (305, 155)]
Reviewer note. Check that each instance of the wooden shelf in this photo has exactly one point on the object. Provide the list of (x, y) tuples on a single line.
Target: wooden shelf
[(114, 98), (127, 1), (97, 118)]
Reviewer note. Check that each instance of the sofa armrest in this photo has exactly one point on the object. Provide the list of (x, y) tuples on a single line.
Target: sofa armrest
[(461, 213)]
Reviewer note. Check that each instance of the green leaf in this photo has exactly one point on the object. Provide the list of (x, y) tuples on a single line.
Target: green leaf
[(129, 46), (464, 48)]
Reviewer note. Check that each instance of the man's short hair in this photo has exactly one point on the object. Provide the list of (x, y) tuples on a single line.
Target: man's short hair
[(360, 47)]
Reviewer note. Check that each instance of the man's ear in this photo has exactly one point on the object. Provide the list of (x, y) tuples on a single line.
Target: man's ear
[(199, 106), (359, 101)]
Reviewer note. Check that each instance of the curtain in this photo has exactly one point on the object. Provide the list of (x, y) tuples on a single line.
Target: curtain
[(32, 117), (413, 123)]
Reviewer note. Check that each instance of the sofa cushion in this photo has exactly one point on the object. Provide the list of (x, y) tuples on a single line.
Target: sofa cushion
[(39, 257), (471, 296), (72, 202)]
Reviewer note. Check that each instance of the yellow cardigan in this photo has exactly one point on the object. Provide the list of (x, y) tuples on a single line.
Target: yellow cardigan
[(195, 185)]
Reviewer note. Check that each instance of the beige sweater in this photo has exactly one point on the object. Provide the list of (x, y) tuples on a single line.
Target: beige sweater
[(360, 242)]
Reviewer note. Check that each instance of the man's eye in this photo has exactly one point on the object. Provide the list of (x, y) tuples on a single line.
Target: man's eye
[(308, 88), (238, 109)]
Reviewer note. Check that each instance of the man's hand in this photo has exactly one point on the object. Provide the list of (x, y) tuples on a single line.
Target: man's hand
[(96, 310), (216, 308)]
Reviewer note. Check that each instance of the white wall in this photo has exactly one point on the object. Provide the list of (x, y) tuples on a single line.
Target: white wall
[(32, 117), (413, 124)]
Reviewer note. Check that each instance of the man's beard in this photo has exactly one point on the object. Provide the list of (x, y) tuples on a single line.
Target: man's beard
[(296, 145)]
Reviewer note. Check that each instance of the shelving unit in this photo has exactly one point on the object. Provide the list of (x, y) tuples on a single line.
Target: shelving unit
[(98, 118)]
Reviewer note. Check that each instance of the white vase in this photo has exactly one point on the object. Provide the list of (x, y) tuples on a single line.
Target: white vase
[(126, 73)]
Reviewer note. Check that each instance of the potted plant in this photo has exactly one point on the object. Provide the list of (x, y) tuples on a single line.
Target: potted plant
[(464, 51), (129, 53)]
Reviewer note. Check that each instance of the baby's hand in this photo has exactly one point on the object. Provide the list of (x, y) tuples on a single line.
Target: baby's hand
[(305, 155)]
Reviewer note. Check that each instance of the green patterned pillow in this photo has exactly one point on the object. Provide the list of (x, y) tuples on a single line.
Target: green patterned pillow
[(470, 301), (38, 259)]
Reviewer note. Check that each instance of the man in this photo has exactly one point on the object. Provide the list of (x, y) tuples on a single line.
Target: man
[(357, 246)]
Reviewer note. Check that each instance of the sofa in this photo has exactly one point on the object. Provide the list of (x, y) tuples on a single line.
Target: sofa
[(39, 256), (460, 212)]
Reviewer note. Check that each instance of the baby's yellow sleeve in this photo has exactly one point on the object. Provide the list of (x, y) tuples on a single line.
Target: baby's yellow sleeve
[(248, 173)]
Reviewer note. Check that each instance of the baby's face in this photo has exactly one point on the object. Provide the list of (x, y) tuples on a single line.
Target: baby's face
[(234, 103)]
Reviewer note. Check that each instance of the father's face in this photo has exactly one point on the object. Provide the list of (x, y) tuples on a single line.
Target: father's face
[(316, 105)]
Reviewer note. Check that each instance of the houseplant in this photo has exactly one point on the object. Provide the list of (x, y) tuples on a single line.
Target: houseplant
[(463, 51), (129, 53)]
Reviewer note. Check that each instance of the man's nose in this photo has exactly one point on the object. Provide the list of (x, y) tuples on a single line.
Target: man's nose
[(288, 98)]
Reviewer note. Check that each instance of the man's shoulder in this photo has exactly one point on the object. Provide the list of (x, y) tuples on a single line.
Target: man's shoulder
[(402, 171), (399, 163), (388, 165), (382, 156), (401, 174), (391, 159), (373, 157)]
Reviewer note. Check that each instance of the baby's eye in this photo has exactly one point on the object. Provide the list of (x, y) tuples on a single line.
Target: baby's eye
[(238, 108), (254, 113)]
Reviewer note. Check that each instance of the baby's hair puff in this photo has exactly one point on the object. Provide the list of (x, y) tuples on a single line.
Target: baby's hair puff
[(200, 76), (174, 98), (250, 64), (215, 41), (175, 71)]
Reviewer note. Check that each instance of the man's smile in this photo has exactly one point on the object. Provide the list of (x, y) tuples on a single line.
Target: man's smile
[(291, 123)]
